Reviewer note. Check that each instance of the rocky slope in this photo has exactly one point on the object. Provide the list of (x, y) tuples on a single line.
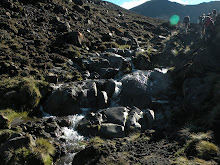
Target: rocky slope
[(164, 9), (139, 90)]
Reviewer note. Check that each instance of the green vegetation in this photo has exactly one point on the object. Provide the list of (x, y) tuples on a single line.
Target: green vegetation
[(39, 151), (26, 92), (11, 114), (97, 141), (196, 161), (197, 147), (44, 148), (207, 150)]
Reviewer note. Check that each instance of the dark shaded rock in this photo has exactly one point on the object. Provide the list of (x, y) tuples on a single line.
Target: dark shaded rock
[(14, 143), (4, 122), (90, 155), (79, 2), (142, 62), (102, 100), (197, 92), (51, 78), (64, 102), (110, 87), (80, 9), (75, 38)]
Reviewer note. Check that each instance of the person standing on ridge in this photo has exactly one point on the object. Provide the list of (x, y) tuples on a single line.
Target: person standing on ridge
[(186, 22), (209, 27), (214, 14), (200, 22)]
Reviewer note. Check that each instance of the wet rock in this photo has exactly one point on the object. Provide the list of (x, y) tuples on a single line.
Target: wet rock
[(161, 83), (147, 120), (108, 73), (90, 93), (133, 119)]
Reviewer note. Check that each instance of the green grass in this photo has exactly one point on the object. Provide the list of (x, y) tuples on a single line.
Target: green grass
[(27, 96), (11, 114), (45, 148)]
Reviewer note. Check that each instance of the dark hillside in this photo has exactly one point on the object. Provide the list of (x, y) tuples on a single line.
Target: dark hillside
[(164, 9)]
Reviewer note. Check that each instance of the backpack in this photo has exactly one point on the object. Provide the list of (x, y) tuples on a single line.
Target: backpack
[(186, 19), (208, 22)]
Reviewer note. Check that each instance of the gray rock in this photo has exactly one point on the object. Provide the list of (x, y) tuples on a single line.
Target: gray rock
[(135, 90), (148, 119), (115, 115), (110, 130), (102, 100), (133, 119), (90, 93)]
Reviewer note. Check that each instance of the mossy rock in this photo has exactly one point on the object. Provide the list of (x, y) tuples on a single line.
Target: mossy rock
[(24, 154), (21, 93)]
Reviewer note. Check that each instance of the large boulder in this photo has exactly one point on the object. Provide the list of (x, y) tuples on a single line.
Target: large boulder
[(135, 90), (64, 101), (139, 87), (115, 115)]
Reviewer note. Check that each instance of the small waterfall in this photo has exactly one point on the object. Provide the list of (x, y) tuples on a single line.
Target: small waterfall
[(114, 100), (74, 141)]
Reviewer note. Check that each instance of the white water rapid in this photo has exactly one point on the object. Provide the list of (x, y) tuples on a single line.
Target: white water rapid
[(74, 141)]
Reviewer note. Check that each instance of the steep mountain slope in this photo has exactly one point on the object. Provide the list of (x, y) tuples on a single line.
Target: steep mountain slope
[(164, 9)]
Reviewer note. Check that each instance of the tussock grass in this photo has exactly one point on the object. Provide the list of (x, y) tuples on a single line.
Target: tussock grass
[(45, 148), (207, 150)]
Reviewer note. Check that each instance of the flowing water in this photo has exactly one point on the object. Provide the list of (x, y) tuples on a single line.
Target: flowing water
[(74, 141)]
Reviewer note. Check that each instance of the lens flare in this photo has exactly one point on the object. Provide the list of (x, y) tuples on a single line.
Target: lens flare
[(174, 19)]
